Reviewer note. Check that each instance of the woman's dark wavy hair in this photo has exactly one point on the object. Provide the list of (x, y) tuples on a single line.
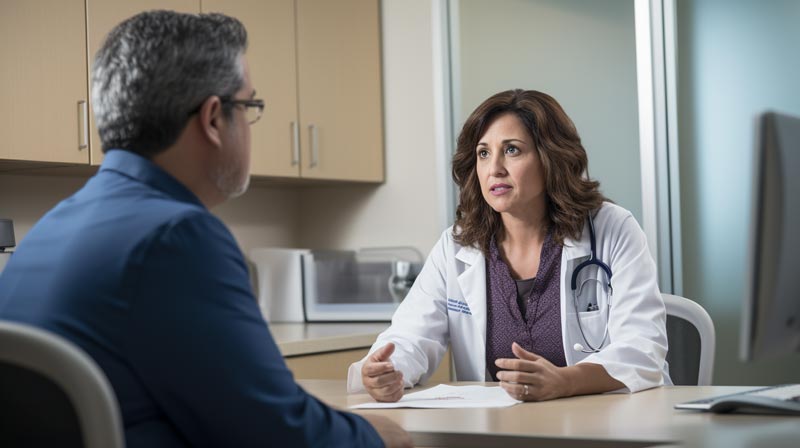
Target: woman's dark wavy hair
[(571, 195)]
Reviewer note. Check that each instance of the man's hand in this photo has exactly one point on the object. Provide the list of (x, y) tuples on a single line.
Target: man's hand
[(391, 433), (379, 377)]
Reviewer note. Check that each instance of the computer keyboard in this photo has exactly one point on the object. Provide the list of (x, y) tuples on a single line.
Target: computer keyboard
[(782, 399)]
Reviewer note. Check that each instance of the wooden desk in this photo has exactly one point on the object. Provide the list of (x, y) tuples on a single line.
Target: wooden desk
[(610, 420)]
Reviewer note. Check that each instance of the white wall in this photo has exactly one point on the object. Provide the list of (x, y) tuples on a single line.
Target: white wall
[(736, 59), (406, 209), (24, 199), (262, 217)]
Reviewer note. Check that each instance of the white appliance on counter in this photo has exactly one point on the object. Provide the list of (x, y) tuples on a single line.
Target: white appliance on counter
[(305, 285)]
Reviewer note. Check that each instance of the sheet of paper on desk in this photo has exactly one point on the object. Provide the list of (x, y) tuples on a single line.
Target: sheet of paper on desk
[(445, 396)]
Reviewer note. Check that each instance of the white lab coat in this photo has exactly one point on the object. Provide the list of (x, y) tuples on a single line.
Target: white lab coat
[(447, 304)]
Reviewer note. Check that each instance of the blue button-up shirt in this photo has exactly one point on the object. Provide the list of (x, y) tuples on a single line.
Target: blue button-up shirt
[(135, 270)]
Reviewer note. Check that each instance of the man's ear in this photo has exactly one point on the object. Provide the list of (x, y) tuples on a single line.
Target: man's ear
[(211, 120)]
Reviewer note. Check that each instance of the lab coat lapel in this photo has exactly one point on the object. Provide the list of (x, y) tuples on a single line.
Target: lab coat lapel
[(570, 253), (472, 282)]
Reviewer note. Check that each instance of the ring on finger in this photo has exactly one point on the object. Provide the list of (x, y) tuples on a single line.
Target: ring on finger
[(525, 389)]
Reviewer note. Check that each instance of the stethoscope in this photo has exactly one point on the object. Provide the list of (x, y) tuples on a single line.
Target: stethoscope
[(593, 260)]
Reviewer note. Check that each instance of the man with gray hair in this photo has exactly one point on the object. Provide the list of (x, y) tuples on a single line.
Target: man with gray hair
[(135, 270)]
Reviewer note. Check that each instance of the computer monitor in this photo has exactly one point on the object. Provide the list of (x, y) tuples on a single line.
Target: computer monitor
[(770, 324)]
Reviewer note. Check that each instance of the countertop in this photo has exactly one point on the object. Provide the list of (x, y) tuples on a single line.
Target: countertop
[(298, 339)]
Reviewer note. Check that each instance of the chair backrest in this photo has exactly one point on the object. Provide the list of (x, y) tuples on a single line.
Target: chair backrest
[(694, 314), (53, 392)]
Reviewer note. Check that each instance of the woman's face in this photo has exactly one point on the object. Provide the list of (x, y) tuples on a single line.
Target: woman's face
[(509, 170)]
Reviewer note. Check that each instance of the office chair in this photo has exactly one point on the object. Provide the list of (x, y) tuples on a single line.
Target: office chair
[(688, 327), (52, 393)]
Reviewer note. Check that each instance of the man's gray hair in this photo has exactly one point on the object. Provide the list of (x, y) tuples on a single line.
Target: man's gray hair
[(155, 69)]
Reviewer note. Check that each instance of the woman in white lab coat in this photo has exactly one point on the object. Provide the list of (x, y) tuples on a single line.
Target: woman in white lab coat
[(517, 287)]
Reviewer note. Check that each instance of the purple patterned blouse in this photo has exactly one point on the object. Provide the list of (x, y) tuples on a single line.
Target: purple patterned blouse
[(539, 330)]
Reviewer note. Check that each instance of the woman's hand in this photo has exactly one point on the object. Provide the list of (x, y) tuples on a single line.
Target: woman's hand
[(379, 377), (531, 377)]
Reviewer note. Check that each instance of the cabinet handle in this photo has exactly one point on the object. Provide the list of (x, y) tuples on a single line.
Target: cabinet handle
[(83, 125), (295, 143), (312, 130)]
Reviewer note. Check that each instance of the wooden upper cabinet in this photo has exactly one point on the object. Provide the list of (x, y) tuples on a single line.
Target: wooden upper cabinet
[(273, 72), (43, 89), (339, 89), (315, 63), (103, 16)]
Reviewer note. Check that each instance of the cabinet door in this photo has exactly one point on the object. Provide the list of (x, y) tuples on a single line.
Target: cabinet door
[(340, 94), (271, 57), (105, 15), (43, 81)]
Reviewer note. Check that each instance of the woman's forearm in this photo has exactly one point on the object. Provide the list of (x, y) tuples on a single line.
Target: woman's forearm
[(588, 378)]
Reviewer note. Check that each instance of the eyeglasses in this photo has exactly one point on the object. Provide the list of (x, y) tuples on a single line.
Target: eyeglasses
[(253, 108)]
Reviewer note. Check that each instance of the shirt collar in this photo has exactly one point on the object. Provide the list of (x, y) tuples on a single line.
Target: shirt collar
[(572, 249), (494, 251), (137, 167)]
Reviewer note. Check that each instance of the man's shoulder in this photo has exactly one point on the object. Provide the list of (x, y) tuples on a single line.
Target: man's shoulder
[(138, 203), (119, 215)]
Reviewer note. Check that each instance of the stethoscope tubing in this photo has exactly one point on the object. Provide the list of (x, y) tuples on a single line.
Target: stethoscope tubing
[(592, 261)]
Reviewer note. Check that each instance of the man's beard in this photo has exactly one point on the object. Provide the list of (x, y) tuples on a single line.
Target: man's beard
[(229, 179)]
